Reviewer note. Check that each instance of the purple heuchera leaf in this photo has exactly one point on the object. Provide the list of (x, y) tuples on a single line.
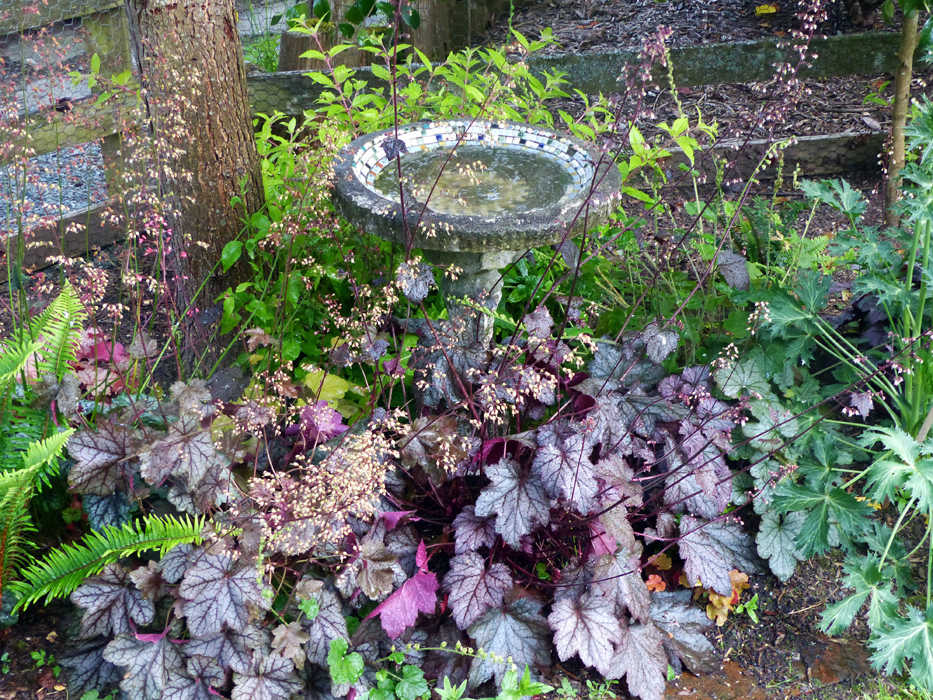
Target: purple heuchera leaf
[(472, 532), (586, 626), (565, 469), (273, 678), (399, 611), (518, 502), (175, 562), (861, 402), (187, 450), (218, 590), (474, 589), (517, 630), (149, 664), (641, 658), (111, 603), (539, 323), (320, 423), (231, 648)]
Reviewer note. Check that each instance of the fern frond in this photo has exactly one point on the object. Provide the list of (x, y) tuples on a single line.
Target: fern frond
[(14, 355), (41, 457), (15, 524), (20, 427), (58, 327), (64, 568)]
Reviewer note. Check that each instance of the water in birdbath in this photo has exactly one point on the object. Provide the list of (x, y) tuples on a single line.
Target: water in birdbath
[(478, 180)]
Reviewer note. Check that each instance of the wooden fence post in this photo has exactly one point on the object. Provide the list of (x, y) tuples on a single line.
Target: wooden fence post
[(107, 34)]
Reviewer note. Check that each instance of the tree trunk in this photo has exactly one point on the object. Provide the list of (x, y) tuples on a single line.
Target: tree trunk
[(194, 83), (905, 58)]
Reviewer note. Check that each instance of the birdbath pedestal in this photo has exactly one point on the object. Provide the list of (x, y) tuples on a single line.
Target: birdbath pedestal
[(476, 195)]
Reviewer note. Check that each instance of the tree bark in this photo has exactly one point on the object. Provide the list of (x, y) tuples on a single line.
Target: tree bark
[(905, 59), (194, 83)]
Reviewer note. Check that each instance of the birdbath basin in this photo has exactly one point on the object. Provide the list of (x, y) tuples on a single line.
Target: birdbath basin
[(477, 195)]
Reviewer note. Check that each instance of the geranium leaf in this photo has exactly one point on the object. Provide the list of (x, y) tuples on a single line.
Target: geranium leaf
[(565, 469), (474, 589), (327, 625), (776, 542), (219, 590), (518, 502), (399, 611), (187, 450), (149, 666), (273, 678), (517, 630), (618, 577), (908, 639), (684, 624), (111, 603), (643, 661), (710, 550), (870, 584), (86, 668), (231, 648), (472, 532), (99, 458), (586, 626)]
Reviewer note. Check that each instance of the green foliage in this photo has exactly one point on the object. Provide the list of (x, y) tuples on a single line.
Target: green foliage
[(344, 667), (61, 570)]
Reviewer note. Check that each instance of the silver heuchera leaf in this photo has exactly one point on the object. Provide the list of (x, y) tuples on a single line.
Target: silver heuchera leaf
[(327, 625), (641, 658), (659, 343), (232, 649), (273, 678), (733, 269), (110, 603), (710, 550), (472, 532), (219, 590), (565, 469), (683, 624), (203, 674), (99, 458), (87, 670), (415, 279), (175, 562), (474, 589), (586, 626), (518, 630), (618, 577), (518, 502), (149, 666), (106, 510)]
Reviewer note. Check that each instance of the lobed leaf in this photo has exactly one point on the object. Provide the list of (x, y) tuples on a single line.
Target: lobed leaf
[(473, 588), (586, 626)]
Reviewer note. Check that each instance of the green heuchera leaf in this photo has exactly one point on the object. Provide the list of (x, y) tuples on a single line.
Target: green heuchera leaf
[(746, 376), (344, 667), (776, 542)]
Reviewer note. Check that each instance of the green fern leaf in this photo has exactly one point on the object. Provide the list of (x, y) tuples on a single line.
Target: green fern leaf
[(13, 358), (41, 457), (15, 524), (57, 327), (63, 569)]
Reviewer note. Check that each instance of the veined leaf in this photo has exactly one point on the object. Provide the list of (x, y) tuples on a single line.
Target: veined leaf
[(474, 589), (517, 630), (586, 626), (908, 640)]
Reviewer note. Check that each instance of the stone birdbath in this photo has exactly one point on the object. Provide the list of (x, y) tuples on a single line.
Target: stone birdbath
[(477, 195)]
